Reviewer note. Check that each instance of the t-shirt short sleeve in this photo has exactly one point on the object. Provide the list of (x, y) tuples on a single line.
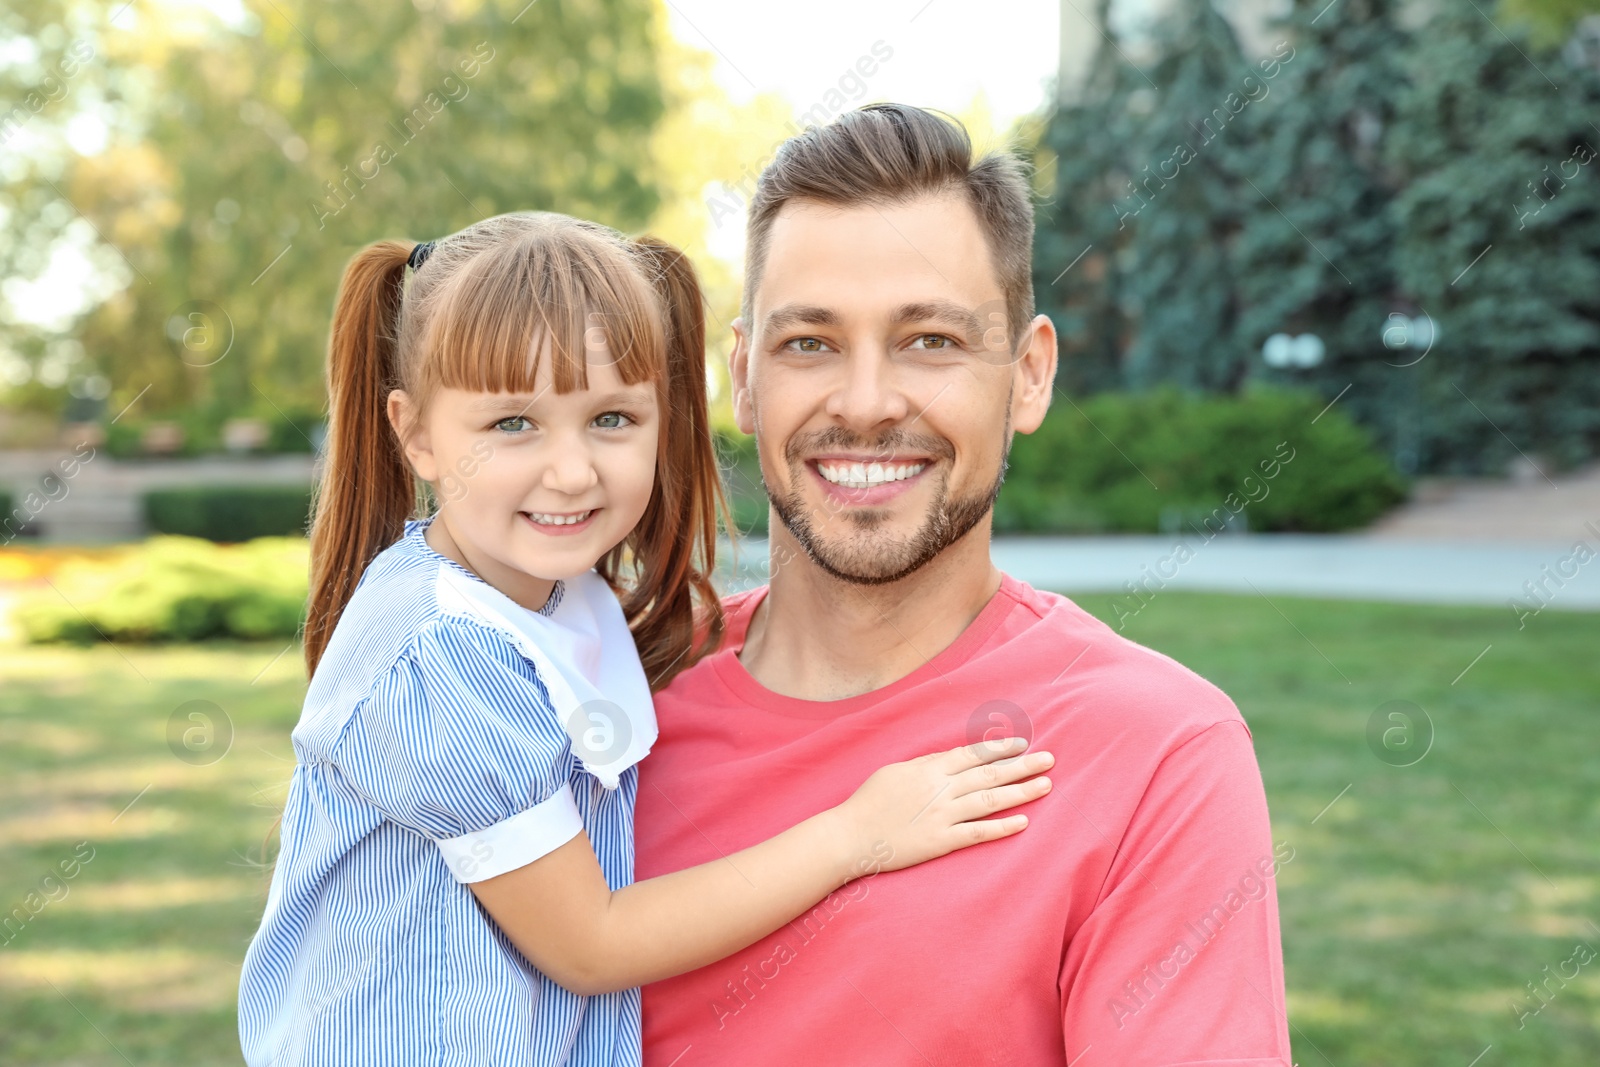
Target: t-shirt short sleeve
[(1179, 963), (459, 743)]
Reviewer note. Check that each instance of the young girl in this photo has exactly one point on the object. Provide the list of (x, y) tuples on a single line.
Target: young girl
[(454, 880)]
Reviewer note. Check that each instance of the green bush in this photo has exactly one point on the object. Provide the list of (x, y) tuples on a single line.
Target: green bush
[(1165, 461), (16, 518), (125, 438), (287, 432), (174, 589), (229, 513), (1085, 469), (741, 474), (293, 431)]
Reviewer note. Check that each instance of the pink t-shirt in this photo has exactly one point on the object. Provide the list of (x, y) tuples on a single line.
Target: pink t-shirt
[(1134, 922)]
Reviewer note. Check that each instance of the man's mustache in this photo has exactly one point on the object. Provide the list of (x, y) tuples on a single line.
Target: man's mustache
[(837, 438)]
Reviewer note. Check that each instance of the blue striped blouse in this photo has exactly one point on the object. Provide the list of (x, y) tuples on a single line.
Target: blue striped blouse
[(429, 755)]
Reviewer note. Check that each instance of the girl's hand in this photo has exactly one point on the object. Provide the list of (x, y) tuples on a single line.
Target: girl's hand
[(562, 915), (934, 804)]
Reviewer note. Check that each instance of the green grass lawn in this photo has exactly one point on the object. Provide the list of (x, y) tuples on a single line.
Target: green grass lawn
[(1416, 909)]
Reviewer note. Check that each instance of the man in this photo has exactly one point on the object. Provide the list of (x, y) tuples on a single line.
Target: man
[(886, 352)]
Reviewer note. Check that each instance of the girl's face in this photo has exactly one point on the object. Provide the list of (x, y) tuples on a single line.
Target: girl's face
[(535, 487)]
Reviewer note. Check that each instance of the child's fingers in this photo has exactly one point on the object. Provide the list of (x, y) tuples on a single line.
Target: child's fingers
[(983, 802), (973, 833), (976, 755), (1000, 772)]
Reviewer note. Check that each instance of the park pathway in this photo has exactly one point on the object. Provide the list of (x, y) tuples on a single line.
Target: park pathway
[(1463, 543)]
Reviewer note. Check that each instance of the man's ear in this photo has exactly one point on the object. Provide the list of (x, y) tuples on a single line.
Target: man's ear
[(406, 421), (739, 378), (1034, 376)]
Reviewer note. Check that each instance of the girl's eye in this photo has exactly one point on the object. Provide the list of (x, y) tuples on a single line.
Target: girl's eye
[(932, 342), (605, 422), (808, 344), (514, 424)]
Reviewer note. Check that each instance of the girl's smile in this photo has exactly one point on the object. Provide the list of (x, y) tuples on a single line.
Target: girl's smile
[(560, 525)]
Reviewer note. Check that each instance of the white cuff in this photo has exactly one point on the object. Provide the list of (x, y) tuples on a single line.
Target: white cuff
[(514, 842)]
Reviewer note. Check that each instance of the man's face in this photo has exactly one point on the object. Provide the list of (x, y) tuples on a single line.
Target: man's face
[(877, 377)]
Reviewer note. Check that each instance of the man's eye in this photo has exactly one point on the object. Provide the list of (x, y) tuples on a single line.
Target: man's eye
[(932, 341), (612, 420), (514, 424), (808, 344)]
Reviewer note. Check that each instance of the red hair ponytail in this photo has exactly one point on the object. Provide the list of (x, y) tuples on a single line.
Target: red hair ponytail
[(367, 491), (675, 543)]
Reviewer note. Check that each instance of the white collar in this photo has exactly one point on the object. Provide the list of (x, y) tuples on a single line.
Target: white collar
[(586, 657)]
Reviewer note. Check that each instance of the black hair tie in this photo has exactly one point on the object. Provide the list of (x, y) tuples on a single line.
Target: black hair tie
[(419, 255)]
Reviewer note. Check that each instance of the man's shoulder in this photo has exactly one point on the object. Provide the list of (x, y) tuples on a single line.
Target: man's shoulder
[(1101, 670)]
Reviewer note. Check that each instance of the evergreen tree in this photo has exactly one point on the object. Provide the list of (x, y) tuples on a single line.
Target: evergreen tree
[(1317, 251), (1181, 195), (1078, 239), (1499, 230)]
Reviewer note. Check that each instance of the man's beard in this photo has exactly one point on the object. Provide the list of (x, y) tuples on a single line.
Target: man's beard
[(862, 559)]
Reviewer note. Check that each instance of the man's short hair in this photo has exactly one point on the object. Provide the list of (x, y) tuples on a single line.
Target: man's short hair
[(891, 153)]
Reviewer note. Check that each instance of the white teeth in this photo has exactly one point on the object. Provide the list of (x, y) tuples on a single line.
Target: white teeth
[(867, 475), (546, 519)]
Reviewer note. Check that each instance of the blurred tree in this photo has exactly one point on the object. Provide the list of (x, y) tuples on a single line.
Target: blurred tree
[(243, 162), (708, 151), (49, 72), (1499, 237), (1548, 22), (1185, 189), (1133, 251), (1317, 251), (1360, 183), (1078, 233)]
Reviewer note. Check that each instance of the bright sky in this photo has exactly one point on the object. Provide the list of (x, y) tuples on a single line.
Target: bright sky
[(951, 55), (945, 52)]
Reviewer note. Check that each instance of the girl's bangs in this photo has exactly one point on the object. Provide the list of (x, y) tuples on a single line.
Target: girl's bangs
[(573, 297)]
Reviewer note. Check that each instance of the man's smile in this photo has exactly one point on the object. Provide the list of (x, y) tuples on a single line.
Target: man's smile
[(866, 473), (867, 481)]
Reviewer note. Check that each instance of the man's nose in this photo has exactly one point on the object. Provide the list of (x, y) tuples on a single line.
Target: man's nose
[(870, 393)]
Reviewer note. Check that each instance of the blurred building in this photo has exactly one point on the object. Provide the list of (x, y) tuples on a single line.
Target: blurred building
[(1133, 24)]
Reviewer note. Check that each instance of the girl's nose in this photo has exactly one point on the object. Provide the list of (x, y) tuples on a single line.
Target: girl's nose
[(570, 471)]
